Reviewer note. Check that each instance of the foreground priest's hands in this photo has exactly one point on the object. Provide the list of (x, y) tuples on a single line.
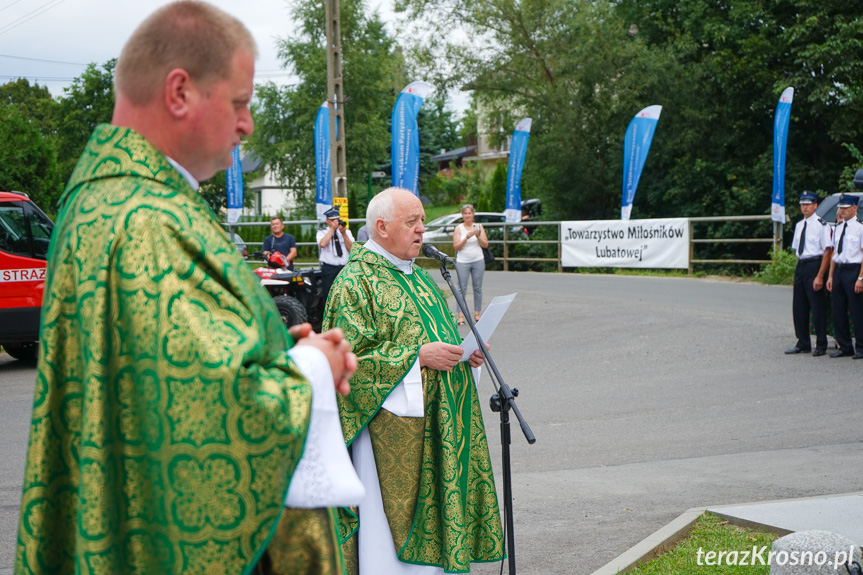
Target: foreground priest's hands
[(444, 356), (343, 363)]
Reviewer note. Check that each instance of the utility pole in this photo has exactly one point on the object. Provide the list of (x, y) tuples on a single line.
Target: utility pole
[(336, 97)]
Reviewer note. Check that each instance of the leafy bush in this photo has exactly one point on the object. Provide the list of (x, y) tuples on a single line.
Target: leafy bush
[(780, 270)]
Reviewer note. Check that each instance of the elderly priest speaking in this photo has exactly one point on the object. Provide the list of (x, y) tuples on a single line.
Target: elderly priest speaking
[(412, 418)]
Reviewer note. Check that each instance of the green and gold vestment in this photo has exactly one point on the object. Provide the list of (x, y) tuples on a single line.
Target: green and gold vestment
[(435, 472), (167, 418)]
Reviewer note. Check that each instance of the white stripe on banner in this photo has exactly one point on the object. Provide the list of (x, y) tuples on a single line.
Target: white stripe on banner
[(660, 243), (31, 275)]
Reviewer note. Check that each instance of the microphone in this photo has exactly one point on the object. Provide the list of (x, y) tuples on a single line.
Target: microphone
[(432, 252)]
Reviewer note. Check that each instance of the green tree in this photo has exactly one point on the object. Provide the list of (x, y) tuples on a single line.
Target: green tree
[(581, 69), (215, 192), (27, 160), (437, 131), (373, 74), (735, 59), (34, 102), (467, 126), (89, 101), (572, 66), (497, 188)]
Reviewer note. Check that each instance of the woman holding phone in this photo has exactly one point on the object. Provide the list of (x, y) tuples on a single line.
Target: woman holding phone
[(468, 240)]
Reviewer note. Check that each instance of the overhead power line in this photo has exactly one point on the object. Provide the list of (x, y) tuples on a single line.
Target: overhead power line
[(30, 15), (41, 60), (9, 5), (40, 78)]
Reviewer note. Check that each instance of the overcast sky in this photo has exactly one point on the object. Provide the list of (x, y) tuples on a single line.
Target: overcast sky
[(74, 33)]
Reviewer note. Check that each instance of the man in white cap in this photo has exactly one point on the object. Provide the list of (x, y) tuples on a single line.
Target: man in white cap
[(335, 243), (814, 247), (846, 278)]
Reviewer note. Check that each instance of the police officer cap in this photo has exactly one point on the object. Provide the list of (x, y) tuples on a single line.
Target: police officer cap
[(331, 213), (846, 201), (808, 197)]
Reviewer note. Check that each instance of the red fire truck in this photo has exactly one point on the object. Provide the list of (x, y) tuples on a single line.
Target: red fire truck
[(24, 235)]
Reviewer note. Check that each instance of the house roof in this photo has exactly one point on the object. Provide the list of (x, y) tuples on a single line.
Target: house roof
[(453, 154), (251, 162)]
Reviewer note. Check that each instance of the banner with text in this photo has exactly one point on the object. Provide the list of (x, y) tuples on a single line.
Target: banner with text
[(660, 243), (234, 180), (517, 154), (405, 139), (780, 141), (323, 184), (636, 145)]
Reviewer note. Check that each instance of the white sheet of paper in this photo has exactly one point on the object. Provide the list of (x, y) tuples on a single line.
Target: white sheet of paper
[(487, 323)]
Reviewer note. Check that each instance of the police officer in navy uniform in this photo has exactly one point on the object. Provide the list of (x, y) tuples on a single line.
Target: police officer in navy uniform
[(813, 246), (335, 242), (846, 278)]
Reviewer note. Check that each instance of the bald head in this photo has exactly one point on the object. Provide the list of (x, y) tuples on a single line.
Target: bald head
[(193, 36), (184, 81), (395, 219)]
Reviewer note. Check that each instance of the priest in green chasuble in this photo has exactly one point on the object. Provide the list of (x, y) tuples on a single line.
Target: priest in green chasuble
[(412, 418), (169, 416)]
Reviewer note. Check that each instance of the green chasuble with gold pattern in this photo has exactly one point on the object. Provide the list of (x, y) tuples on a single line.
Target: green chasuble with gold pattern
[(167, 418), (435, 472)]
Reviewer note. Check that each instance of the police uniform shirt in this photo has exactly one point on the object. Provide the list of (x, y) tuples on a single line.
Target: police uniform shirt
[(817, 238), (851, 244), (328, 254)]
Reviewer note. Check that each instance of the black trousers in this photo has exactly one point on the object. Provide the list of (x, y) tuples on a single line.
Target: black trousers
[(845, 299), (328, 276), (806, 299)]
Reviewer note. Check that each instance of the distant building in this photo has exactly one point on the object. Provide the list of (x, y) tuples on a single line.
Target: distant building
[(483, 154), (271, 198), (446, 160)]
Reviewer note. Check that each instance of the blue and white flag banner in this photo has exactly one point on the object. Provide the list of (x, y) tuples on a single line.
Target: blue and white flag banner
[(636, 145), (405, 136), (323, 183), (780, 141), (659, 243), (234, 179), (517, 154)]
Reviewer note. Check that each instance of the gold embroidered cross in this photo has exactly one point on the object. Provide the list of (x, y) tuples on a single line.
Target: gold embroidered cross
[(423, 293)]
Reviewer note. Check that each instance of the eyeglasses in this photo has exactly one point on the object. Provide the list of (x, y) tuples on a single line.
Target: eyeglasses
[(467, 207)]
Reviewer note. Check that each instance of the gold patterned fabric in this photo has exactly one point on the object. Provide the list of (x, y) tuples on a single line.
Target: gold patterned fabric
[(435, 472), (305, 543), (167, 418)]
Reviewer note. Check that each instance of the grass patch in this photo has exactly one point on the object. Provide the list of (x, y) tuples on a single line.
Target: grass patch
[(655, 273), (434, 212), (710, 533)]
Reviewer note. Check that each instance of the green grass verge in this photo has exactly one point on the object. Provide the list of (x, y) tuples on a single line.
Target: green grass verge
[(433, 212), (656, 273), (710, 533)]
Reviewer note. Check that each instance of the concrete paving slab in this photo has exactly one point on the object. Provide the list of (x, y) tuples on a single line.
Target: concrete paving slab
[(840, 514)]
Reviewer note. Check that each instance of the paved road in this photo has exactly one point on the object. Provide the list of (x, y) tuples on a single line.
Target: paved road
[(648, 396)]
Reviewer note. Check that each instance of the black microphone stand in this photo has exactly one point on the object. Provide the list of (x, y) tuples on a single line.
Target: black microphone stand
[(501, 402)]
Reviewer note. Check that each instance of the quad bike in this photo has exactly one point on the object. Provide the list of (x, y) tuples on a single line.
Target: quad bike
[(297, 294)]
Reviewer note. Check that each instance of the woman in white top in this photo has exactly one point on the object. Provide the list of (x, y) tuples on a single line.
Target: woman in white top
[(468, 239)]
